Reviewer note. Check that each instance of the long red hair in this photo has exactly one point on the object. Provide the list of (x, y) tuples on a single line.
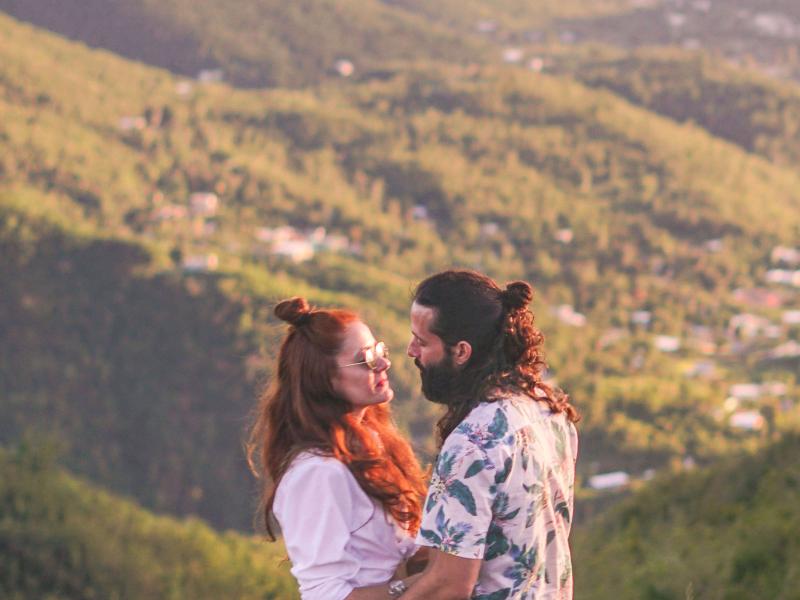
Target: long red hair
[(300, 411)]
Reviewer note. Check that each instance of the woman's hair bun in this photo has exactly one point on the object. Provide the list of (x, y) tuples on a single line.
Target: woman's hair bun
[(517, 295), (295, 311)]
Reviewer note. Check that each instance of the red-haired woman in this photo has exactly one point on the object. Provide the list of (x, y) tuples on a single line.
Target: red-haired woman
[(342, 483)]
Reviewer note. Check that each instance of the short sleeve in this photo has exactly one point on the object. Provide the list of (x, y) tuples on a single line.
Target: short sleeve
[(315, 505), (458, 511)]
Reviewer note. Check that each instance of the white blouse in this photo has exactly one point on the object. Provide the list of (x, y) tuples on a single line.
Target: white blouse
[(337, 537)]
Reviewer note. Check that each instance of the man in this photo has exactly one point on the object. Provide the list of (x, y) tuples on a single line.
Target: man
[(499, 508)]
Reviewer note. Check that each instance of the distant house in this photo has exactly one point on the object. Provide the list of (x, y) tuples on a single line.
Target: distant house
[(789, 257), (169, 212), (776, 25), (564, 235), (748, 420), (702, 368), (610, 337), (277, 234), (745, 391), (344, 67), (758, 297), (184, 88), (790, 349), (779, 276), (566, 314), (295, 250), (203, 204), (512, 55), (489, 229), (703, 6), (774, 388), (419, 212), (667, 343), (747, 325), (210, 75), (791, 317), (486, 26), (196, 263), (536, 64), (676, 20), (609, 481), (714, 245), (136, 123), (641, 317)]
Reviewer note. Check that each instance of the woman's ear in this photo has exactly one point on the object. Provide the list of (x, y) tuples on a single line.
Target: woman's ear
[(462, 352)]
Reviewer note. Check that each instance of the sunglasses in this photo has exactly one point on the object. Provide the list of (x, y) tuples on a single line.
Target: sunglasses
[(371, 356)]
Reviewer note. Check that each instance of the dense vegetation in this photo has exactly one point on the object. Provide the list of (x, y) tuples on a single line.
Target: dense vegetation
[(269, 43), (63, 539), (731, 531), (140, 364), (755, 112)]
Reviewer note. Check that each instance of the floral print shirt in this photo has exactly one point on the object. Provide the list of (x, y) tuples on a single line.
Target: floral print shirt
[(502, 491)]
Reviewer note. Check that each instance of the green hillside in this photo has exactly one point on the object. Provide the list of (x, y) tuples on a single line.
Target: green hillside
[(731, 531), (255, 42), (269, 43), (607, 207), (63, 539), (760, 114)]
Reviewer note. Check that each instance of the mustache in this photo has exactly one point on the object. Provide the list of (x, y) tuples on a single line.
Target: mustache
[(418, 364)]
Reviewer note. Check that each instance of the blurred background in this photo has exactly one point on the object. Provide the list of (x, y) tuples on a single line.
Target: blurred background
[(170, 169)]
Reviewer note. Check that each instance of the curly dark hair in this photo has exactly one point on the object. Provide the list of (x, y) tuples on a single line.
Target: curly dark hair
[(507, 349)]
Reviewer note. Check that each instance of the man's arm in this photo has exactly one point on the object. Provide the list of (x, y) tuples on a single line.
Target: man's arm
[(447, 577)]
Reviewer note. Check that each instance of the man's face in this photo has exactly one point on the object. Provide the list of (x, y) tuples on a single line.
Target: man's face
[(432, 357)]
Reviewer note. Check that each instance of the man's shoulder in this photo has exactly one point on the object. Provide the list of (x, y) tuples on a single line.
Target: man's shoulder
[(486, 426)]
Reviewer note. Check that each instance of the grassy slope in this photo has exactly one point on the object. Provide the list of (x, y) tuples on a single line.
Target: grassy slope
[(528, 152), (759, 114), (63, 539), (728, 532)]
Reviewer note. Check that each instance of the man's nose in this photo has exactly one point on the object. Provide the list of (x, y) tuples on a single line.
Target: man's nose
[(411, 350)]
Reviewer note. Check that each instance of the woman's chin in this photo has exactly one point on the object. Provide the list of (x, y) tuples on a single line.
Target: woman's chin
[(386, 395)]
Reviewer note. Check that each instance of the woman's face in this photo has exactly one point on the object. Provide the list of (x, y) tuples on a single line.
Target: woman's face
[(360, 385)]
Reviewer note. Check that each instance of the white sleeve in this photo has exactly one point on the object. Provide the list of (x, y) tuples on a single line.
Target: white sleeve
[(314, 505)]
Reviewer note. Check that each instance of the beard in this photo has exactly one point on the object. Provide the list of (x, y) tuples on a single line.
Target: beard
[(440, 381)]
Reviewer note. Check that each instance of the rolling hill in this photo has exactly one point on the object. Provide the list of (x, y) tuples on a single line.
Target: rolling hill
[(64, 539), (730, 531), (146, 364)]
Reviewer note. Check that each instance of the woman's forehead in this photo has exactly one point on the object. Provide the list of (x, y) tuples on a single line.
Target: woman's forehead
[(357, 336)]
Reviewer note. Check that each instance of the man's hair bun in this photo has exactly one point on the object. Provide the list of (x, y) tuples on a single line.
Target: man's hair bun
[(295, 311), (517, 295)]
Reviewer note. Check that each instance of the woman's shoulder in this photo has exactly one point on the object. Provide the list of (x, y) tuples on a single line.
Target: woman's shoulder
[(312, 462)]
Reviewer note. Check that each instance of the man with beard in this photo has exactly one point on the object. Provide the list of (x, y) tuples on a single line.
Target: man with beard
[(498, 512)]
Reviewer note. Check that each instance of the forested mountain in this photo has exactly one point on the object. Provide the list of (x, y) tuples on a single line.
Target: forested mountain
[(731, 531), (268, 43), (64, 539), (254, 42), (760, 114), (140, 315)]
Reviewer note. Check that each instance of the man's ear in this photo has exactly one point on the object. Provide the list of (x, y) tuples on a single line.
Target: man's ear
[(462, 352)]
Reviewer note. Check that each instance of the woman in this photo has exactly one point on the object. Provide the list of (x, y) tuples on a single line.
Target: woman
[(346, 487)]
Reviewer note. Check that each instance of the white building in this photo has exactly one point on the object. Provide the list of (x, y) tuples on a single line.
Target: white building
[(203, 204), (196, 263), (609, 481), (641, 317), (745, 391), (748, 420), (344, 67), (566, 314), (210, 75), (667, 343)]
